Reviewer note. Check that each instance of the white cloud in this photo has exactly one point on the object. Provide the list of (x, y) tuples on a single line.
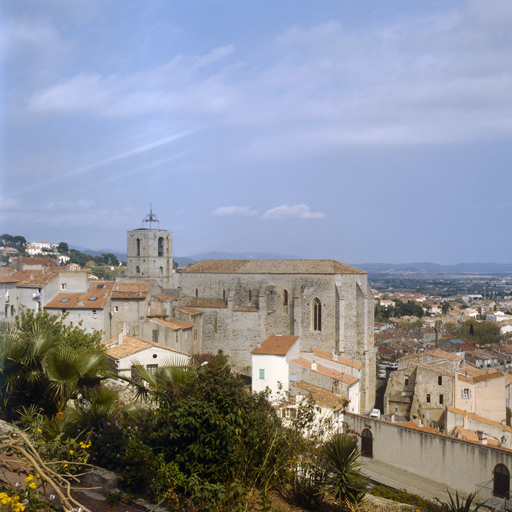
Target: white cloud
[(234, 211), (431, 79), (298, 211)]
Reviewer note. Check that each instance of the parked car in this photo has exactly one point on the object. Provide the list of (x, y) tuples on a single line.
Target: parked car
[(383, 374), (375, 414)]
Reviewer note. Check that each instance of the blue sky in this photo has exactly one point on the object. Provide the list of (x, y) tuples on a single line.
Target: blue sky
[(361, 131)]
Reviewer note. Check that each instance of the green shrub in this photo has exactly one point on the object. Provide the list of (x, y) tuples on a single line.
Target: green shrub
[(402, 496)]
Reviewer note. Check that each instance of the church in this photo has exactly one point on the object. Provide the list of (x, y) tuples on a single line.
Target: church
[(327, 304)]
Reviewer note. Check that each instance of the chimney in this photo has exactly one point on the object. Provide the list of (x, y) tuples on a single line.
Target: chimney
[(120, 337), (482, 437)]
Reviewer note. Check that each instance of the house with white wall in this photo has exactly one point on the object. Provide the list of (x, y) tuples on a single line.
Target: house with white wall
[(124, 351), (270, 363)]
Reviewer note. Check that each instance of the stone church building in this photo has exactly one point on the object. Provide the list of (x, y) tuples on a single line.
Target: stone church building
[(325, 302)]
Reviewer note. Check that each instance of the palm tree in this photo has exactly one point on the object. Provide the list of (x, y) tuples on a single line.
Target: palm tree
[(34, 366), (147, 384), (345, 481)]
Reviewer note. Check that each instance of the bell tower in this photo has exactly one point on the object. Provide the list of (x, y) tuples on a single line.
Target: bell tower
[(149, 252)]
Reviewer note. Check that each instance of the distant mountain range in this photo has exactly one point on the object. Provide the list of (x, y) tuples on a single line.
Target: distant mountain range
[(423, 267)]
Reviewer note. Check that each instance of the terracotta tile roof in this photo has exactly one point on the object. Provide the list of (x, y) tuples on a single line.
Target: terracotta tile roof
[(39, 260), (7, 279), (35, 278), (77, 301), (276, 345), (321, 396), (6, 271), (164, 298), (472, 436), (131, 346), (190, 311), (246, 309), (339, 359), (333, 374), (102, 288), (131, 290), (175, 325), (272, 267), (194, 302), (479, 378), (481, 419), (410, 424)]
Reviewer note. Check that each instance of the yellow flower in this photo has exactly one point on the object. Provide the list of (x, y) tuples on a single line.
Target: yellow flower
[(39, 430), (29, 478), (66, 465), (32, 485), (18, 507), (71, 451)]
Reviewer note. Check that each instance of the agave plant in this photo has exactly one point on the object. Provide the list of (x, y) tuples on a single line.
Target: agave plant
[(345, 482), (460, 504)]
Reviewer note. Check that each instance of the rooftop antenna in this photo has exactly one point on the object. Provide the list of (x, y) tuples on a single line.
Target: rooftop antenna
[(150, 217)]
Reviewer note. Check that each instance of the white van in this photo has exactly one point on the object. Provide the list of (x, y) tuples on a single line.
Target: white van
[(375, 414)]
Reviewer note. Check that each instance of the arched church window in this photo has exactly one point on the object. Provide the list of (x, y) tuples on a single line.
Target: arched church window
[(161, 271), (137, 269), (138, 246), (285, 302), (317, 315), (161, 246)]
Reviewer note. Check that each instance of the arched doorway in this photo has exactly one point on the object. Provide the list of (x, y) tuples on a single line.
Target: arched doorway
[(366, 443), (501, 481)]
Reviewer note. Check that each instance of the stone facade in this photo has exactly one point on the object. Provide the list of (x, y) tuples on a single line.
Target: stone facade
[(149, 255), (328, 304)]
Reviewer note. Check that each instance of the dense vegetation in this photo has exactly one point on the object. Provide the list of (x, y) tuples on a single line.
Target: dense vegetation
[(401, 308), (199, 440), (480, 331)]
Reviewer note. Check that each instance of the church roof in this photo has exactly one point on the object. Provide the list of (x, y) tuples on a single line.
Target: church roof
[(272, 267)]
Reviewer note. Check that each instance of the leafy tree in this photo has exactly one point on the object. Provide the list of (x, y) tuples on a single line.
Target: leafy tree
[(480, 331), (16, 242), (63, 247), (445, 307), (110, 259), (29, 321)]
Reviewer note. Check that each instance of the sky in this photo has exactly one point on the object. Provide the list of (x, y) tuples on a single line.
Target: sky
[(363, 131)]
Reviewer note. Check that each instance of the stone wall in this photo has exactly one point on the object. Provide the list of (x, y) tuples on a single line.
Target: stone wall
[(455, 463)]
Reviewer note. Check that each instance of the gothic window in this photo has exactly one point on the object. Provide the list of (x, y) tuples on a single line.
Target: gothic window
[(317, 315), (285, 302), (138, 246), (161, 272), (161, 246), (137, 269)]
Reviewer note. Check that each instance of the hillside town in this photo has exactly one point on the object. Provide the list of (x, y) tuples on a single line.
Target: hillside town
[(389, 364)]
